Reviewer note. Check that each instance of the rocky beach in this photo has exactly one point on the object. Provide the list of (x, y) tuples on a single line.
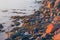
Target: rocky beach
[(38, 20)]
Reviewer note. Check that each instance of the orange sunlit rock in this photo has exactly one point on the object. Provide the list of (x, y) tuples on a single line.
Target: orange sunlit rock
[(48, 5), (49, 28), (56, 37), (56, 3), (56, 18)]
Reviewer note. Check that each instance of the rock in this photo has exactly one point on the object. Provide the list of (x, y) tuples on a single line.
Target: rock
[(2, 30), (56, 37), (8, 39), (1, 26), (14, 17), (17, 23), (25, 38), (12, 25)]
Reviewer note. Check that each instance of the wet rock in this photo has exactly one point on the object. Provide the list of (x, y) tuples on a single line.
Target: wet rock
[(17, 23), (8, 39), (2, 30), (1, 26), (12, 25), (25, 38), (14, 17)]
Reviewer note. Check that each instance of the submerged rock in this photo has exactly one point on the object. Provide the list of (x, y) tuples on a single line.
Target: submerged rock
[(4, 10)]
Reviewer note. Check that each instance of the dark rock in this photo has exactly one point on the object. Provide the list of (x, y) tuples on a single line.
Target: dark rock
[(58, 5), (1, 26), (12, 25), (2, 30), (17, 23), (8, 39), (25, 38)]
